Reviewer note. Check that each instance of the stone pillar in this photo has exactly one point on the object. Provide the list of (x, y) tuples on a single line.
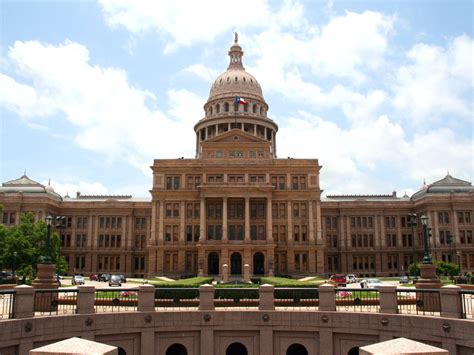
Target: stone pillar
[(161, 222), (246, 272), (247, 219), (326, 341), (24, 302), (206, 297), (388, 299), (85, 299), (225, 273), (182, 226), (269, 221), (207, 341), (147, 341), (289, 216), (224, 219), (146, 298), (327, 298), (311, 222), (319, 232), (202, 221), (266, 302), (450, 301), (266, 341)]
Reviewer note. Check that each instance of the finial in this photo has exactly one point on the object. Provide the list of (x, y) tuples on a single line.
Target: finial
[(49, 182), (236, 37), (24, 173), (448, 172)]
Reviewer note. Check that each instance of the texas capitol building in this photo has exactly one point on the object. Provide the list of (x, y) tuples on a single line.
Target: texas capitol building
[(236, 203)]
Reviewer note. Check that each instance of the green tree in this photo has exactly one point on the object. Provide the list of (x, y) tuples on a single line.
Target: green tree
[(442, 268), (28, 240)]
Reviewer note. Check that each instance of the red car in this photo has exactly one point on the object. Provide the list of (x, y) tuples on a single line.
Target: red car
[(339, 279), (93, 277)]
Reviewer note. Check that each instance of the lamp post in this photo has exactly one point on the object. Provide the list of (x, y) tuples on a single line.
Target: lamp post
[(458, 255), (47, 253), (426, 240), (14, 265), (60, 224)]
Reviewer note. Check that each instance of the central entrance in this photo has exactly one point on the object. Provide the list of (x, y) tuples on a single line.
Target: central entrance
[(236, 264), (213, 264), (258, 264)]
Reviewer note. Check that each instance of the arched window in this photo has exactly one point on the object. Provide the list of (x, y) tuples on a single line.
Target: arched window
[(236, 349), (176, 349), (353, 351), (296, 349), (210, 111), (236, 79), (121, 351), (246, 107), (254, 108), (226, 107), (218, 108), (261, 110)]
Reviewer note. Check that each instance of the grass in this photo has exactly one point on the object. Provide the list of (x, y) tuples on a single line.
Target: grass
[(285, 282)]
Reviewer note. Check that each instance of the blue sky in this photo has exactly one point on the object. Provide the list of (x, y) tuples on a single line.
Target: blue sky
[(381, 92)]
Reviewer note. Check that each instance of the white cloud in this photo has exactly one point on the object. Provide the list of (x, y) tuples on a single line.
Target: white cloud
[(436, 82), (183, 23), (351, 156), (112, 117), (206, 73), (71, 188)]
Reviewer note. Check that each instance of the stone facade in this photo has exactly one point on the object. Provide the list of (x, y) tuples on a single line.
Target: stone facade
[(236, 203)]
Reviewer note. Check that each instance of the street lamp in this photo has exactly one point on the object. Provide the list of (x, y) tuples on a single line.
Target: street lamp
[(60, 224), (14, 265), (458, 254), (47, 254), (426, 240)]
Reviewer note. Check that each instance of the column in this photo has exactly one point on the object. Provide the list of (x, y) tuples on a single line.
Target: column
[(153, 221), (311, 222), (197, 143), (94, 237), (206, 135), (455, 231), (274, 144), (399, 248), (269, 221), (319, 233), (182, 223), (224, 219), (434, 224), (343, 263), (202, 221), (289, 228), (247, 219), (161, 222), (254, 129)]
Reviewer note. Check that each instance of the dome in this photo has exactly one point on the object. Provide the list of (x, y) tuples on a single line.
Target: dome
[(236, 81)]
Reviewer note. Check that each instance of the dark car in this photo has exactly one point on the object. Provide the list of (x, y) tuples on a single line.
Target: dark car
[(104, 277), (115, 280), (123, 278)]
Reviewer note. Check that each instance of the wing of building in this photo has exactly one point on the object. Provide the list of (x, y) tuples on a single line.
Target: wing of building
[(237, 204)]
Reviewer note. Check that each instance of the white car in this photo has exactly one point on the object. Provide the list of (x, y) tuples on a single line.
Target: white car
[(351, 278), (77, 280), (370, 283)]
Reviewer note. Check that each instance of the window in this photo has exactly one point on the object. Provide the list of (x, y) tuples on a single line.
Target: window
[(362, 222), (407, 240), (392, 262), (257, 178), (465, 236), (140, 223), (331, 241), (278, 182), (9, 217), (257, 209), (299, 210), (215, 178), (236, 178), (443, 217), (464, 217), (173, 182), (331, 222), (390, 222), (391, 240), (81, 240), (298, 182), (81, 222), (192, 182)]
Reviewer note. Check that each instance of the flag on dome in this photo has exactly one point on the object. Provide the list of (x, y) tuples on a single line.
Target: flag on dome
[(239, 100)]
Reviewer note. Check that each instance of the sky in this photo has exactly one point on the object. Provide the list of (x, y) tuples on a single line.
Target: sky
[(381, 92)]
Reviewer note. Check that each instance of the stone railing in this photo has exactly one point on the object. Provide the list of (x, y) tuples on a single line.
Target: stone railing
[(448, 302)]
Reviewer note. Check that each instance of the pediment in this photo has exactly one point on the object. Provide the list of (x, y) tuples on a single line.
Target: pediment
[(236, 136)]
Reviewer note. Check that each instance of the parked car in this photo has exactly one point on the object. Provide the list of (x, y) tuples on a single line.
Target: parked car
[(78, 280), (123, 278), (115, 280), (404, 280), (93, 277), (339, 279), (351, 278), (104, 277), (370, 283)]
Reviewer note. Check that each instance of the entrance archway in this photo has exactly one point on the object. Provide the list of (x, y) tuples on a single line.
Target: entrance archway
[(236, 264), (296, 349), (354, 351), (176, 349), (213, 264), (236, 349), (258, 264)]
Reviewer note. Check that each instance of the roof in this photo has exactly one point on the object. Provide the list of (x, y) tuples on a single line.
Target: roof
[(448, 184), (26, 185)]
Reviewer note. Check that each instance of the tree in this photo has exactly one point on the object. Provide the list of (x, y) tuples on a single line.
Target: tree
[(28, 240), (442, 268)]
